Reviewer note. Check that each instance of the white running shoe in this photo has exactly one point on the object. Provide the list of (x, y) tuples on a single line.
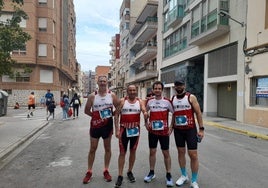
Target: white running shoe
[(182, 180), (149, 178), (194, 185)]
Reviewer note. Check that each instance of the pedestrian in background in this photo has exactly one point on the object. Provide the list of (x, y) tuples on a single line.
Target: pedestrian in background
[(76, 103), (99, 107), (65, 107), (158, 128), (185, 131), (49, 98), (51, 109), (43, 101), (31, 104), (127, 130)]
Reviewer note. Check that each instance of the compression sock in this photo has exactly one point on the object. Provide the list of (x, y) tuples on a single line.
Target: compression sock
[(183, 171), (194, 176)]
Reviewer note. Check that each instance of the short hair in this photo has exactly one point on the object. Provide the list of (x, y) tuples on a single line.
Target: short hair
[(158, 83)]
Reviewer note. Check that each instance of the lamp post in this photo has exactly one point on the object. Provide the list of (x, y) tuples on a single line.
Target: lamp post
[(226, 14)]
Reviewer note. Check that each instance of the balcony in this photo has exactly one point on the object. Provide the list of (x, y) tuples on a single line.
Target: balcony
[(142, 74), (175, 16), (148, 29), (209, 27), (150, 9), (146, 53), (135, 45)]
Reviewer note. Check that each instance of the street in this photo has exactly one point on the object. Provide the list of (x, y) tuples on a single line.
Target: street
[(58, 158)]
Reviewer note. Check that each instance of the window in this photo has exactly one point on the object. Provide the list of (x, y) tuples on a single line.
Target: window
[(42, 50), (20, 77), (42, 24), (21, 51), (7, 16), (42, 2), (46, 76), (259, 91)]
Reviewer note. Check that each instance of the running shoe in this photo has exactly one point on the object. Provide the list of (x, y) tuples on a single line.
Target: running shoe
[(169, 182), (194, 185), (119, 181), (149, 178), (131, 177), (107, 176), (182, 180), (31, 113), (87, 177)]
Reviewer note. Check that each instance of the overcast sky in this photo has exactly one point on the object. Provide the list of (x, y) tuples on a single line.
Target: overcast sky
[(97, 21)]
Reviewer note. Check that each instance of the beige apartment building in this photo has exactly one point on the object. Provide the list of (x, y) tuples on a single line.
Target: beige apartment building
[(141, 67), (220, 48), (209, 43), (50, 54)]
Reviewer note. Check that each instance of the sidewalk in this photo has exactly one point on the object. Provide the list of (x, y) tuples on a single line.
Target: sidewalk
[(16, 128)]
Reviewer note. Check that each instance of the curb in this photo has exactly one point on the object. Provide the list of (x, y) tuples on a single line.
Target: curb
[(240, 131), (4, 154)]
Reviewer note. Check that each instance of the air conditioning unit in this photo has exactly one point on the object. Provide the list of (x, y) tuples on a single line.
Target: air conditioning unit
[(248, 59)]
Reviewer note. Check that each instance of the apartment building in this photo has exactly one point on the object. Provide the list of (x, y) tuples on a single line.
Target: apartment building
[(210, 44), (50, 54), (141, 69), (256, 66), (124, 45), (116, 74), (89, 83)]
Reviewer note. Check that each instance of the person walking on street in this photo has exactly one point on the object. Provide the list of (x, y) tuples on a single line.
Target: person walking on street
[(76, 103), (128, 111), (49, 98), (65, 107), (158, 128), (185, 131), (43, 101), (31, 104), (99, 107), (51, 109)]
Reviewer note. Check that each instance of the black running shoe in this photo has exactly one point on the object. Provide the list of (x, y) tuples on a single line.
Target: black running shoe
[(131, 177), (119, 181)]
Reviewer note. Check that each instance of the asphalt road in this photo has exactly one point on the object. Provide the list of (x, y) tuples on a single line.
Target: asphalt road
[(58, 158)]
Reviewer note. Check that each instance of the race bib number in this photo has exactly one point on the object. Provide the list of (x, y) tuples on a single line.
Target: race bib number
[(106, 113), (131, 132), (181, 120), (157, 125)]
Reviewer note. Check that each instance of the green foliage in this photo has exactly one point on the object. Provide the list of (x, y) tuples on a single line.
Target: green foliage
[(12, 37)]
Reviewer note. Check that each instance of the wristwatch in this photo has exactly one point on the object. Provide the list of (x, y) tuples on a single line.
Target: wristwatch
[(201, 128)]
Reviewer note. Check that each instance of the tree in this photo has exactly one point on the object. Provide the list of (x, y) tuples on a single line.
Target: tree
[(12, 37)]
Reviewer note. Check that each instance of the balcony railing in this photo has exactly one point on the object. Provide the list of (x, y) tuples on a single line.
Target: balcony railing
[(208, 27)]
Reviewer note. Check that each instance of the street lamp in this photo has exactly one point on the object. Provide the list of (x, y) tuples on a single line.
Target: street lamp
[(223, 13)]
